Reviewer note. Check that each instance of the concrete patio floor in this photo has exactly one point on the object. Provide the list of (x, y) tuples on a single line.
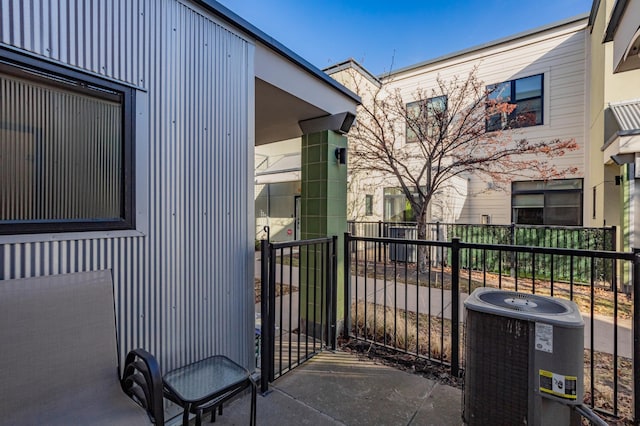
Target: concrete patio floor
[(338, 388)]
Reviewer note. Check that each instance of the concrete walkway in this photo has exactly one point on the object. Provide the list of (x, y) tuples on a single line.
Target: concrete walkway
[(437, 302), (337, 388)]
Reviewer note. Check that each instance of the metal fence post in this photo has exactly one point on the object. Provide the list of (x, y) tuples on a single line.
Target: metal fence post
[(455, 306), (636, 336), (512, 239), (333, 293), (380, 235), (265, 333), (271, 323), (347, 286)]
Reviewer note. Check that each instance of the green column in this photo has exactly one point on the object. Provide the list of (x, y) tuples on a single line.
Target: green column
[(323, 213)]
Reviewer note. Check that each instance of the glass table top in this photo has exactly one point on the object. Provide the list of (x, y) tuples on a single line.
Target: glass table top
[(205, 378)]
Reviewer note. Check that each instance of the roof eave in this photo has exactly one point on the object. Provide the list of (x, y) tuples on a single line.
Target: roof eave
[(232, 18), (497, 42), (614, 21)]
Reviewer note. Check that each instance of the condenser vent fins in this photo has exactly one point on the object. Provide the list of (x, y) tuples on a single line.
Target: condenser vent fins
[(498, 350)]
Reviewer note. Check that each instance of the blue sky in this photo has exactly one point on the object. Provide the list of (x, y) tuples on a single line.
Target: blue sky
[(393, 34)]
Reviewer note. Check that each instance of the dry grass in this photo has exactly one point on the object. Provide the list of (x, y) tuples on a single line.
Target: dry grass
[(603, 298), (403, 330), (281, 289), (603, 395), (440, 278)]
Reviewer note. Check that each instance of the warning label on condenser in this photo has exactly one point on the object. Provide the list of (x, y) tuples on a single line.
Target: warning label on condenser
[(558, 385), (544, 337)]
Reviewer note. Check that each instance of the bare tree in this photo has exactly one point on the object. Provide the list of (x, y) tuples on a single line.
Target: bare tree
[(443, 132)]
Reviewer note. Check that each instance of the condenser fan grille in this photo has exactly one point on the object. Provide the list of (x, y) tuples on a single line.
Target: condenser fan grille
[(523, 302)]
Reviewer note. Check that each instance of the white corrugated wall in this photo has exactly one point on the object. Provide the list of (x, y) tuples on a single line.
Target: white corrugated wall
[(184, 290)]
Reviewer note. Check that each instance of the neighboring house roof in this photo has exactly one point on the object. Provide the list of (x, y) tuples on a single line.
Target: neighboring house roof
[(352, 63), (235, 20), (508, 39), (594, 11)]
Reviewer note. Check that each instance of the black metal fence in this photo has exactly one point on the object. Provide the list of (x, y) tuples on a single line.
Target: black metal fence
[(573, 237), (297, 303), (398, 305), (522, 235)]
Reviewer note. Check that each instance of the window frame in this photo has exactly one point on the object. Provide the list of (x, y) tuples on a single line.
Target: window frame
[(424, 108), (511, 119), (368, 205), (73, 80), (544, 191)]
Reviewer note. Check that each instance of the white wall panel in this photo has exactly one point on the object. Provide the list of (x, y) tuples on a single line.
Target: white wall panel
[(559, 54)]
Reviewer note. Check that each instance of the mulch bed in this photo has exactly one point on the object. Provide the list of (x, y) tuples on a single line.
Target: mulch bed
[(428, 369)]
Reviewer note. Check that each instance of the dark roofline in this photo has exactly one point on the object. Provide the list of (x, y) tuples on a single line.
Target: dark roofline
[(614, 21), (232, 18), (352, 63), (489, 44), (592, 15)]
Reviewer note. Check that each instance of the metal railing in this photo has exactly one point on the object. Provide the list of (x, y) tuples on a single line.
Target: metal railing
[(297, 303), (580, 238), (574, 237), (394, 303)]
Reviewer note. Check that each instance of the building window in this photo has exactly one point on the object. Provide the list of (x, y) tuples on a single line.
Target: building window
[(526, 94), (553, 202), (397, 207), (593, 196), (368, 205), (424, 118), (66, 149)]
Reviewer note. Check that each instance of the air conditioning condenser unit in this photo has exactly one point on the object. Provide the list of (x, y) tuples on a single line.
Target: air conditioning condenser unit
[(524, 359)]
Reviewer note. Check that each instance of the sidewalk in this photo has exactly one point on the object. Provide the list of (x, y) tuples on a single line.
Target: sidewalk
[(436, 302), (337, 388)]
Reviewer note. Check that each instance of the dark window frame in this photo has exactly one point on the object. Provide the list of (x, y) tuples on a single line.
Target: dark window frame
[(368, 205), (544, 192), (419, 103), (35, 69), (512, 119)]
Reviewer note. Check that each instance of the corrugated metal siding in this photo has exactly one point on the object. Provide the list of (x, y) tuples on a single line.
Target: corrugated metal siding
[(105, 37), (185, 290)]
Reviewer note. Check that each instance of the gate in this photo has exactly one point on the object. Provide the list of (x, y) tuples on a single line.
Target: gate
[(297, 304)]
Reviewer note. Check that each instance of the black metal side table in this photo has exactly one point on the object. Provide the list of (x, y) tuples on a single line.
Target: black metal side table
[(205, 385)]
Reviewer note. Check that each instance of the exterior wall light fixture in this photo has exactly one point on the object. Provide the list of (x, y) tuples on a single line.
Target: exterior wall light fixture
[(341, 155)]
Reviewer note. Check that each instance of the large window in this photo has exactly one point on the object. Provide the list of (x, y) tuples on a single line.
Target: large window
[(526, 94), (66, 149), (424, 117), (553, 202)]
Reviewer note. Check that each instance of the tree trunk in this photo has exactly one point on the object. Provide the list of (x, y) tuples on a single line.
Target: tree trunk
[(423, 251)]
